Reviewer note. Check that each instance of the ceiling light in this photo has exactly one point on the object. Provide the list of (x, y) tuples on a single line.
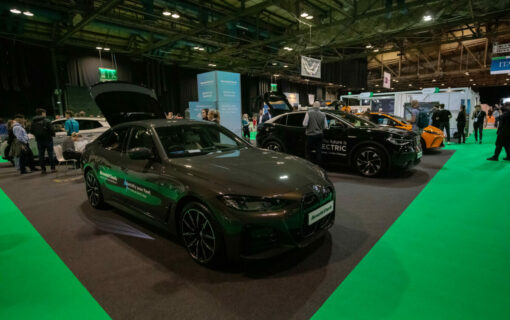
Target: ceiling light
[(106, 49), (15, 11), (427, 17), (28, 13), (309, 18), (304, 15), (276, 75), (167, 13), (368, 46), (274, 63), (470, 79), (421, 88), (466, 73), (505, 83), (176, 16), (211, 65), (474, 84), (442, 84), (410, 85), (433, 80), (362, 88), (396, 80), (99, 48), (507, 79), (376, 50), (201, 49), (376, 85), (378, 90), (285, 66), (330, 84)]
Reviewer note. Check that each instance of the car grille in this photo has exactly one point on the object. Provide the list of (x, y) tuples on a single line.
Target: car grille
[(310, 202)]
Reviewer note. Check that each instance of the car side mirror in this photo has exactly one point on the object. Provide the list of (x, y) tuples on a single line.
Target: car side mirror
[(140, 154)]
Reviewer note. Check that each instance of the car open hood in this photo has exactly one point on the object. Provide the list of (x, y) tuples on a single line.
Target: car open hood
[(122, 102)]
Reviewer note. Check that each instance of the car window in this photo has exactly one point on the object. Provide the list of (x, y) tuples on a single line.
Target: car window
[(192, 140), (114, 140), (334, 122), (295, 120), (89, 124), (354, 120), (281, 120), (58, 125), (141, 138)]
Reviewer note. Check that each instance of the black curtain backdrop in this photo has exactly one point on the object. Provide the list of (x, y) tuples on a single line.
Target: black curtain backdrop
[(26, 79), (351, 73), (493, 95)]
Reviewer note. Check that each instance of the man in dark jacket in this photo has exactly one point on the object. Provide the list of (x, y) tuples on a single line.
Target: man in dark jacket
[(315, 122), (503, 140), (444, 121), (44, 133), (478, 122), (461, 124)]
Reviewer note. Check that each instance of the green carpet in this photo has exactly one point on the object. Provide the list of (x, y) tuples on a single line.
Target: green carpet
[(2, 160), (447, 256), (34, 282)]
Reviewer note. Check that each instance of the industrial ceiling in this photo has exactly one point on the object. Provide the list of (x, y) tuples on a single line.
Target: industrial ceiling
[(419, 42)]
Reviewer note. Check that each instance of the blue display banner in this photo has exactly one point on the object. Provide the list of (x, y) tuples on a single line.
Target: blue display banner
[(229, 86), (196, 107), (230, 115), (207, 86), (500, 65)]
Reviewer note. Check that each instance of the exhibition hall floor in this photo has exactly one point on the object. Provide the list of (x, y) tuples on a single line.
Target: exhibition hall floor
[(443, 253)]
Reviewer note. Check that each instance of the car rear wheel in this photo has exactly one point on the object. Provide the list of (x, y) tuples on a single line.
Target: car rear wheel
[(201, 235), (370, 161), (274, 146), (423, 145), (93, 189)]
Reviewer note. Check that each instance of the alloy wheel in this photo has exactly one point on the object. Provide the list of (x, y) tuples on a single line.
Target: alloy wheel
[(369, 162), (92, 187), (198, 235), (274, 146)]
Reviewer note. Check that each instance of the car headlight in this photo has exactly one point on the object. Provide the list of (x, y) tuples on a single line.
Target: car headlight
[(249, 203), (399, 141)]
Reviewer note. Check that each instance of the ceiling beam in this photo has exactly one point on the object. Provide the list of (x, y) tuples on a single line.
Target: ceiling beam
[(108, 5)]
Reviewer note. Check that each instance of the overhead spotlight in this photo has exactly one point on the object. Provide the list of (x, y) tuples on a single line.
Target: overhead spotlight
[(211, 65), (362, 88), (309, 18), (274, 63), (376, 50), (427, 17), (285, 66), (433, 80), (470, 79), (507, 79), (15, 11), (99, 48), (304, 15), (505, 83), (466, 73), (421, 88), (176, 16), (201, 49), (396, 80), (106, 49), (196, 48), (276, 75), (474, 84), (410, 84), (376, 85), (368, 46), (28, 13), (167, 13), (442, 84), (378, 90)]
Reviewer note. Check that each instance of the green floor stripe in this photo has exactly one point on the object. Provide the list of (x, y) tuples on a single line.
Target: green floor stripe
[(2, 160), (34, 282), (447, 256)]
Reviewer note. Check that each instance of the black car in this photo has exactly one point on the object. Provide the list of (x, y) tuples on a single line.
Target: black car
[(223, 197), (349, 140)]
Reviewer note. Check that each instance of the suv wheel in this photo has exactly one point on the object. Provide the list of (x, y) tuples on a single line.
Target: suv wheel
[(274, 146), (93, 189), (369, 161), (201, 235)]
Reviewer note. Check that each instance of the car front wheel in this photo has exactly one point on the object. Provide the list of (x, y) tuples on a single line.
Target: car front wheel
[(274, 146), (201, 235), (369, 161)]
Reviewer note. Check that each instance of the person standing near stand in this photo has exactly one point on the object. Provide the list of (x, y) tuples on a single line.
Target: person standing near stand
[(478, 122), (44, 133), (71, 125), (315, 122), (461, 124), (444, 121), (503, 139), (19, 148)]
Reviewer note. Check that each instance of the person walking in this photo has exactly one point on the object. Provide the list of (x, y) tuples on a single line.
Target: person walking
[(71, 125), (503, 139), (435, 116), (478, 122), (461, 124), (497, 114), (20, 145), (444, 121), (315, 122), (246, 126), (419, 119), (44, 133)]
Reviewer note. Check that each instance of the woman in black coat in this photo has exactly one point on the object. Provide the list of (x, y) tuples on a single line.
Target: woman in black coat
[(503, 140)]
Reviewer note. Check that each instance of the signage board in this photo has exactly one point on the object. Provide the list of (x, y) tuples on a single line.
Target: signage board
[(106, 74), (501, 48), (365, 95), (274, 87), (387, 80), (207, 86), (500, 65), (310, 67), (430, 90)]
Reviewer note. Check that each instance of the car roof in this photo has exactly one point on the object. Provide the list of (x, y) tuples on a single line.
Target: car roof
[(83, 118)]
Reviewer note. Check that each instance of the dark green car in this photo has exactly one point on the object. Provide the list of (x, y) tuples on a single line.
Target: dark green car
[(223, 197)]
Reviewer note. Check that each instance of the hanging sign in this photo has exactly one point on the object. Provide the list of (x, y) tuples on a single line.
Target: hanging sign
[(274, 87), (501, 48), (310, 67), (107, 74), (430, 90), (365, 95), (500, 65), (387, 80)]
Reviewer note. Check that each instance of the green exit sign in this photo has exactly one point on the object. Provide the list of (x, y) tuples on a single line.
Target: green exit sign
[(274, 87), (107, 74)]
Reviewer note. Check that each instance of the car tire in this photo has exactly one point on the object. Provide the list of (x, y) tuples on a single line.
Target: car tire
[(370, 161), (93, 189), (201, 235), (423, 145), (274, 145)]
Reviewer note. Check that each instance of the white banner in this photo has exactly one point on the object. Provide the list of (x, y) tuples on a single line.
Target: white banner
[(501, 48), (387, 80), (310, 67)]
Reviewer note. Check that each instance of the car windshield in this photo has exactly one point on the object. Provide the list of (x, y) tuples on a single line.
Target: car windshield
[(191, 140), (400, 119), (356, 121)]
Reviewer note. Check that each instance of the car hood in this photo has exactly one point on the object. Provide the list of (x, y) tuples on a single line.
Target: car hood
[(122, 102), (395, 131), (253, 172), (434, 130)]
